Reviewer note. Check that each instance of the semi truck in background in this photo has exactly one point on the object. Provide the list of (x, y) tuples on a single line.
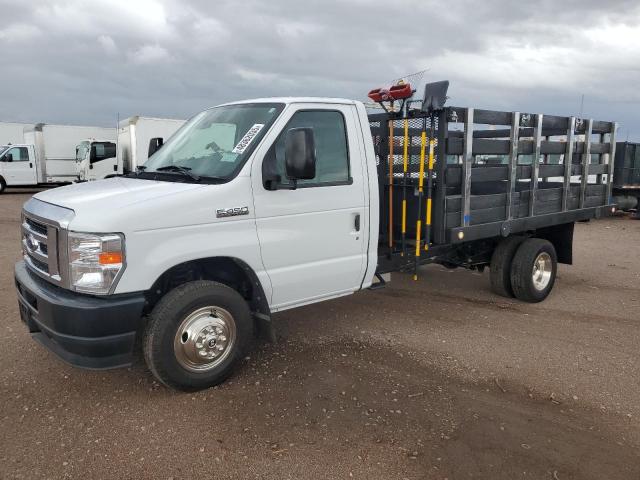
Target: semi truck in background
[(626, 177), (12, 132), (137, 138), (45, 155)]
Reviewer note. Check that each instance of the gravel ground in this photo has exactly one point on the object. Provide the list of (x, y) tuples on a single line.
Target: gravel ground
[(432, 379)]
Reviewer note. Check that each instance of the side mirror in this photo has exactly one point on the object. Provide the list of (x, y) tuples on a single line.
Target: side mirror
[(93, 155), (154, 145), (300, 154), (8, 157)]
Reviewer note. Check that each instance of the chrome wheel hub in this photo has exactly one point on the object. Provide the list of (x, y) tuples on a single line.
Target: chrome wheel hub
[(542, 268), (204, 339)]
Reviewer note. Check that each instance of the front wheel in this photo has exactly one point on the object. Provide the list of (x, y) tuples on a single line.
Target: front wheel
[(533, 270), (196, 335)]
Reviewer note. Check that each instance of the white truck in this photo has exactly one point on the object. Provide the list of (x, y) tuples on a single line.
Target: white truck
[(99, 159), (265, 205), (45, 156), (12, 132)]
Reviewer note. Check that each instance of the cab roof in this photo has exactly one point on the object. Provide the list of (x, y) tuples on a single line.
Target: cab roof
[(290, 100)]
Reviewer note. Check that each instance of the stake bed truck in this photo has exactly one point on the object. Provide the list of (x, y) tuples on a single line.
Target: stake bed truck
[(265, 205)]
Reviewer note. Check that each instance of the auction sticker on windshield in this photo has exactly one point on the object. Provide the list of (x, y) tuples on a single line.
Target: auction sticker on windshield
[(248, 138)]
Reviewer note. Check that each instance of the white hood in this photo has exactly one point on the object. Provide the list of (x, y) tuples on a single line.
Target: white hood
[(113, 193), (131, 204)]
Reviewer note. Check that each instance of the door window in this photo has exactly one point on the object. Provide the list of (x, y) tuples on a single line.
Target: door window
[(104, 150), (20, 154), (332, 152)]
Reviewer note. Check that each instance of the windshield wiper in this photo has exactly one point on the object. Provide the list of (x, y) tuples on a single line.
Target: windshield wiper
[(183, 170)]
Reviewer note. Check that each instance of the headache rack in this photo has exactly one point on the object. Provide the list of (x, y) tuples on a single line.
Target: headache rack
[(492, 174)]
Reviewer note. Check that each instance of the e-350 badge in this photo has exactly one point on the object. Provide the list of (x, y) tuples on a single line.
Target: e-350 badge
[(232, 212)]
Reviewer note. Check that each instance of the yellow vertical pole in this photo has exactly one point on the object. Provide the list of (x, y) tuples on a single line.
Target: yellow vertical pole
[(432, 143), (423, 144), (405, 167)]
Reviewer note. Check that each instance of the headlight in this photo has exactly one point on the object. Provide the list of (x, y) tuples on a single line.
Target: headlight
[(95, 261)]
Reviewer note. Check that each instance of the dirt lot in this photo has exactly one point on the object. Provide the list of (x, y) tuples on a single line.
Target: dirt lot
[(431, 379)]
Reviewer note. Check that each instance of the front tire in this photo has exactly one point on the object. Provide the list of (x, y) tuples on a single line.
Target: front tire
[(196, 335), (3, 185), (533, 270)]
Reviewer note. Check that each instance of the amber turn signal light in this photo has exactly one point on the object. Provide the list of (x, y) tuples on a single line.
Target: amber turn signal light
[(110, 258)]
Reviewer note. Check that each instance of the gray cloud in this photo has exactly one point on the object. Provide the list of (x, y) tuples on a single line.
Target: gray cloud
[(73, 61)]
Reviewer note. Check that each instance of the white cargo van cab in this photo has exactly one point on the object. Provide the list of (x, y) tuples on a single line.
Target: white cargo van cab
[(17, 166), (96, 159)]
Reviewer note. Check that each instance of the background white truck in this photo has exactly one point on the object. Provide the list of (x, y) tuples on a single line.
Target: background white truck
[(261, 206), (45, 156), (101, 158), (12, 132)]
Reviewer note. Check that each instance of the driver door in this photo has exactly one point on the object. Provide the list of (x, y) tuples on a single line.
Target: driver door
[(105, 163), (313, 239)]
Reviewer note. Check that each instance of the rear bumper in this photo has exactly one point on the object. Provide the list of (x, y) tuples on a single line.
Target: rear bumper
[(85, 331)]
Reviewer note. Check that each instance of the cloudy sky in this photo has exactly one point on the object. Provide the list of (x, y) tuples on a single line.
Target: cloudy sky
[(85, 62)]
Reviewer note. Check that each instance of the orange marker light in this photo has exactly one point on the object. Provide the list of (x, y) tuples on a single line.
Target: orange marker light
[(110, 258)]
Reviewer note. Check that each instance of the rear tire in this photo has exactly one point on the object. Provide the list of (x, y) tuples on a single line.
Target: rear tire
[(500, 268), (196, 335), (533, 270), (3, 185)]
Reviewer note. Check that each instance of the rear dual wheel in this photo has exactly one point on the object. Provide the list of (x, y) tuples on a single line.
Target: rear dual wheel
[(533, 270), (500, 268), (524, 268)]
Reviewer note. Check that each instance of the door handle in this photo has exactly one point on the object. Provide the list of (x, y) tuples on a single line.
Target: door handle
[(30, 165), (357, 222)]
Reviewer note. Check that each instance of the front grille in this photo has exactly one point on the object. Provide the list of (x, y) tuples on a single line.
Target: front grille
[(39, 243), (43, 267), (36, 226)]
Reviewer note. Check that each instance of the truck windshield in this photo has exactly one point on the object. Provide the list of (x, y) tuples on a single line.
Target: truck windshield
[(81, 151), (216, 142)]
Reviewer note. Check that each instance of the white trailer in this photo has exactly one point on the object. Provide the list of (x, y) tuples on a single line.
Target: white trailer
[(135, 135), (46, 154), (99, 159), (12, 132)]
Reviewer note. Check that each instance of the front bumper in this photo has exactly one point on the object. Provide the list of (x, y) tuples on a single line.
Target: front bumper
[(85, 331)]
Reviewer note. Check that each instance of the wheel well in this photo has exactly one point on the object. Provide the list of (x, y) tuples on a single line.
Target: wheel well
[(227, 270), (561, 236)]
